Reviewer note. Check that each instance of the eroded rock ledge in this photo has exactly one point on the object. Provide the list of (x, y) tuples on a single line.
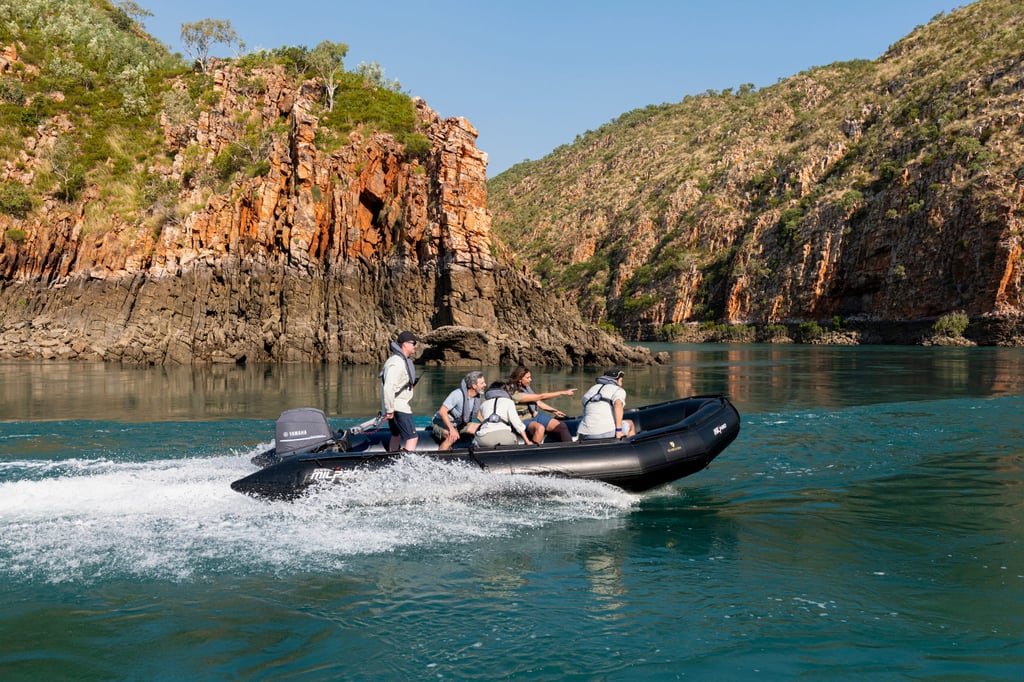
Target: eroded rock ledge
[(322, 259)]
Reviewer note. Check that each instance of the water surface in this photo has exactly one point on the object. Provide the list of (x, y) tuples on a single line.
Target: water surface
[(867, 523)]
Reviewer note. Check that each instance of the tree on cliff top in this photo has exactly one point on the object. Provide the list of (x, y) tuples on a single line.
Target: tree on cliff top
[(199, 37), (327, 60)]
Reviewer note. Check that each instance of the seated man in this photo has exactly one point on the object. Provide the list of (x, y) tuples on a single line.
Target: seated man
[(603, 407), (457, 417)]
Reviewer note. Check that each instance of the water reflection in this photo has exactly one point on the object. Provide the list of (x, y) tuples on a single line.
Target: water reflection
[(758, 378), (772, 377)]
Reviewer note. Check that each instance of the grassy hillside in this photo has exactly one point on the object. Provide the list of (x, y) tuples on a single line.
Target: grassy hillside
[(87, 80), (718, 208), (81, 100)]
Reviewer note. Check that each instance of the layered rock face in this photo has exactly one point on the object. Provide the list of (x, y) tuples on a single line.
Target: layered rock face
[(323, 258), (881, 194)]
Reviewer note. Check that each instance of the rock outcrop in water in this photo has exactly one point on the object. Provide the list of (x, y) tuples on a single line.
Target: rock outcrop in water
[(323, 256)]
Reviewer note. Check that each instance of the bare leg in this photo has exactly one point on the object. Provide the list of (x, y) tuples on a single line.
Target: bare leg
[(559, 431), (449, 440)]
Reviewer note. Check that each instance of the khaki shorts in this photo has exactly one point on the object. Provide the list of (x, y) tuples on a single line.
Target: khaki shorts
[(441, 431), (494, 438)]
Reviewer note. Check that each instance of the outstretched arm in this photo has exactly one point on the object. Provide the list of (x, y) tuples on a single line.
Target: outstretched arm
[(537, 397), (553, 410)]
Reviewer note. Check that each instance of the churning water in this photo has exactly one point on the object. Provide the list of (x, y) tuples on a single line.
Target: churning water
[(867, 523)]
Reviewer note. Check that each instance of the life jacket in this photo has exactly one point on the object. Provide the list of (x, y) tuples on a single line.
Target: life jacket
[(470, 406), (410, 370), (530, 409), (600, 396), (495, 418)]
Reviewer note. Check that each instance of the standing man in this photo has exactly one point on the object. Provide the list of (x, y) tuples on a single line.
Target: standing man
[(397, 381)]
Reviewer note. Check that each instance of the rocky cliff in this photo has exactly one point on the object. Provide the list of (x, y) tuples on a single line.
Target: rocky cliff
[(878, 193), (323, 255)]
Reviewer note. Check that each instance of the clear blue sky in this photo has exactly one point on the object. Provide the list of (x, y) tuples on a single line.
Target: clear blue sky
[(532, 75)]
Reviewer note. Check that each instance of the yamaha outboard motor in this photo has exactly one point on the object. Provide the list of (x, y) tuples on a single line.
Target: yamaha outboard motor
[(301, 429)]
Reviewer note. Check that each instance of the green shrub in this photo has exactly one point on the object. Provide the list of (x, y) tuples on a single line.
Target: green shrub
[(15, 199), (965, 147), (11, 91), (179, 107), (739, 332), (379, 108), (33, 114), (257, 169), (71, 186), (255, 85), (417, 145), (228, 162), (809, 331), (636, 304), (851, 198), (156, 189), (669, 332), (16, 235), (952, 324), (888, 171), (789, 225)]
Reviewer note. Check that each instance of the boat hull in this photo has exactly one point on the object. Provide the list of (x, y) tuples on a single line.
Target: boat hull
[(674, 440)]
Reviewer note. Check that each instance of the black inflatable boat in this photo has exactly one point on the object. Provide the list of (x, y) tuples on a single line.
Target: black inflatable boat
[(674, 439)]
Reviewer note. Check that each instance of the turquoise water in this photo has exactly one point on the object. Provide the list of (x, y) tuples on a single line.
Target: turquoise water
[(867, 523)]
